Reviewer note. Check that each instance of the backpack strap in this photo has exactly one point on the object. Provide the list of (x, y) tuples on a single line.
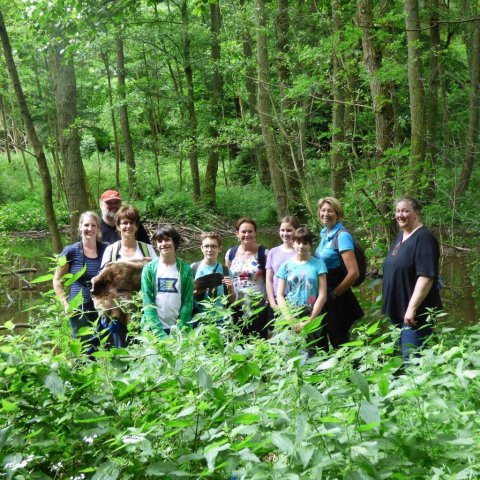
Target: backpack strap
[(226, 272), (262, 260), (232, 252), (115, 251), (335, 237), (194, 268), (144, 249)]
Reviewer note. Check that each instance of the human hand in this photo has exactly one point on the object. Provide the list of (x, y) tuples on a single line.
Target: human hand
[(228, 282), (298, 327), (409, 318)]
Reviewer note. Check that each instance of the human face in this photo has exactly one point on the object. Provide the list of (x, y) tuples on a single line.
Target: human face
[(327, 215), (406, 216), (166, 246), (127, 228), (302, 249), (246, 233), (110, 208), (210, 249), (89, 228), (286, 233)]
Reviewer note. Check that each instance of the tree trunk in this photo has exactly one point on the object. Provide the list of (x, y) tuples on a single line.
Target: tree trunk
[(265, 112), (116, 143), (216, 104), (69, 140), (472, 144), (417, 95), (338, 164), (33, 139), (250, 77), (124, 122), (192, 118)]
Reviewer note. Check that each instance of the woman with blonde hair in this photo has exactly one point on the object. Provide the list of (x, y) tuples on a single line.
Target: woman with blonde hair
[(336, 249)]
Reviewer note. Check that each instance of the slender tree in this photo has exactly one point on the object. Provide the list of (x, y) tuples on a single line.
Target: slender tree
[(32, 137)]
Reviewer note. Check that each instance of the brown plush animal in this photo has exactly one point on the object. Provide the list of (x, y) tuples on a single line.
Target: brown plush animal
[(114, 285)]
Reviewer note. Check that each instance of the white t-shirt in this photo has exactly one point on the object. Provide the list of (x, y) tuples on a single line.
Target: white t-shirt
[(138, 255), (169, 297)]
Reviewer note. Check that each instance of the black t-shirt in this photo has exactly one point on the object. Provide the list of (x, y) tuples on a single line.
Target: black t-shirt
[(111, 235), (405, 262)]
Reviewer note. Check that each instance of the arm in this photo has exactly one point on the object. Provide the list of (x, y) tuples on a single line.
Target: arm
[(185, 314), (228, 282), (150, 320), (319, 302), (420, 292), (107, 256), (269, 286), (60, 271), (348, 257)]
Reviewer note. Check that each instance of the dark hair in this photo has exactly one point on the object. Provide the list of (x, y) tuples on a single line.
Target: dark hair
[(292, 220), (242, 220), (303, 235), (416, 205), (214, 235), (167, 231), (127, 212)]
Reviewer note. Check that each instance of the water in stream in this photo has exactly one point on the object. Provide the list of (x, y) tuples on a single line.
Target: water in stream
[(457, 294)]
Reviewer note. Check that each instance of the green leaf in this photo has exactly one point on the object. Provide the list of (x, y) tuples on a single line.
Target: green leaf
[(8, 406), (383, 385), (361, 383), (43, 278), (282, 442), (246, 418), (204, 378), (373, 328), (107, 471), (55, 384), (369, 412), (313, 393), (76, 347)]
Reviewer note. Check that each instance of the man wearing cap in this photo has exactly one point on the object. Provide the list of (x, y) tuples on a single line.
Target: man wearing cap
[(110, 202)]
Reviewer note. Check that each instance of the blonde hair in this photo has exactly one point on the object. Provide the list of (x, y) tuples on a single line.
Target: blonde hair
[(90, 214), (334, 203)]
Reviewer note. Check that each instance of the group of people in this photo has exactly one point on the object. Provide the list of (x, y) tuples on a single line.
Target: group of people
[(259, 283)]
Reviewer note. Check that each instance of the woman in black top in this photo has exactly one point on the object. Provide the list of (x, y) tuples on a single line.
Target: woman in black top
[(410, 274)]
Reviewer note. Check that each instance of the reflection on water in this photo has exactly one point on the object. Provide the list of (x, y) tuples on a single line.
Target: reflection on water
[(457, 295)]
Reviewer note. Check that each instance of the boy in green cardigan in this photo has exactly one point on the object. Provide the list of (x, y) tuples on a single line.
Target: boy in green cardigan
[(167, 286)]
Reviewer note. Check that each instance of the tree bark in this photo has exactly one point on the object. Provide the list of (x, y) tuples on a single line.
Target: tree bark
[(472, 144), (216, 106), (69, 140), (116, 143), (250, 77), (192, 118), (265, 112), (417, 95), (124, 121), (5, 126), (33, 139)]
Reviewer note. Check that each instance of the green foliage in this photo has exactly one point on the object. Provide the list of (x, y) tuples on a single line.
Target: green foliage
[(209, 404)]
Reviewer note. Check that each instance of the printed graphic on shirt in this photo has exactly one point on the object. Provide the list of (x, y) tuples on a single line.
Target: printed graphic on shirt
[(167, 285)]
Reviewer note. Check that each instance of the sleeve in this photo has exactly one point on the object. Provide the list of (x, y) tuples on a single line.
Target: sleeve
[(187, 298), (320, 267), (427, 253), (107, 255), (151, 251), (282, 271), (345, 242), (268, 263), (68, 253), (142, 235), (150, 320)]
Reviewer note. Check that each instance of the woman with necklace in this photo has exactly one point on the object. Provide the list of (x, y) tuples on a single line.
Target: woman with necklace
[(247, 263), (410, 273)]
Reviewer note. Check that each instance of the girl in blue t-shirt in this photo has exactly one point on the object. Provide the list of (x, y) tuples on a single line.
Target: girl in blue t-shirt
[(302, 280)]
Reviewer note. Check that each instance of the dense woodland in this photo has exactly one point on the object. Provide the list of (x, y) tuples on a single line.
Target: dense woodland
[(365, 100)]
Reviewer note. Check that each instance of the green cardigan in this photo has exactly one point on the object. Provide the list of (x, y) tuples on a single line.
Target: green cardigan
[(150, 320)]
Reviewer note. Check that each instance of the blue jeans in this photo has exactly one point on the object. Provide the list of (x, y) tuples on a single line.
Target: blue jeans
[(412, 338), (116, 331)]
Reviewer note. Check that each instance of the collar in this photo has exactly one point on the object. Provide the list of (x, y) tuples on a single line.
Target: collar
[(333, 231)]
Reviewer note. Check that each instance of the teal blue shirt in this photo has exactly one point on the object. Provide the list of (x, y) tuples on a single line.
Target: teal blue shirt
[(325, 250)]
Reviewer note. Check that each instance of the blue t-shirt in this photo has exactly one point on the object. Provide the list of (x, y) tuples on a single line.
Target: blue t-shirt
[(211, 293), (325, 250), (76, 259), (301, 280)]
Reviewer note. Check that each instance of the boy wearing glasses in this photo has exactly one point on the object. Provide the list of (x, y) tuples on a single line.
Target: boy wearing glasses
[(211, 279)]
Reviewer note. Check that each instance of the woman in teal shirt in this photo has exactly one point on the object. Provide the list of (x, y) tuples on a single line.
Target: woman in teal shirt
[(342, 307)]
